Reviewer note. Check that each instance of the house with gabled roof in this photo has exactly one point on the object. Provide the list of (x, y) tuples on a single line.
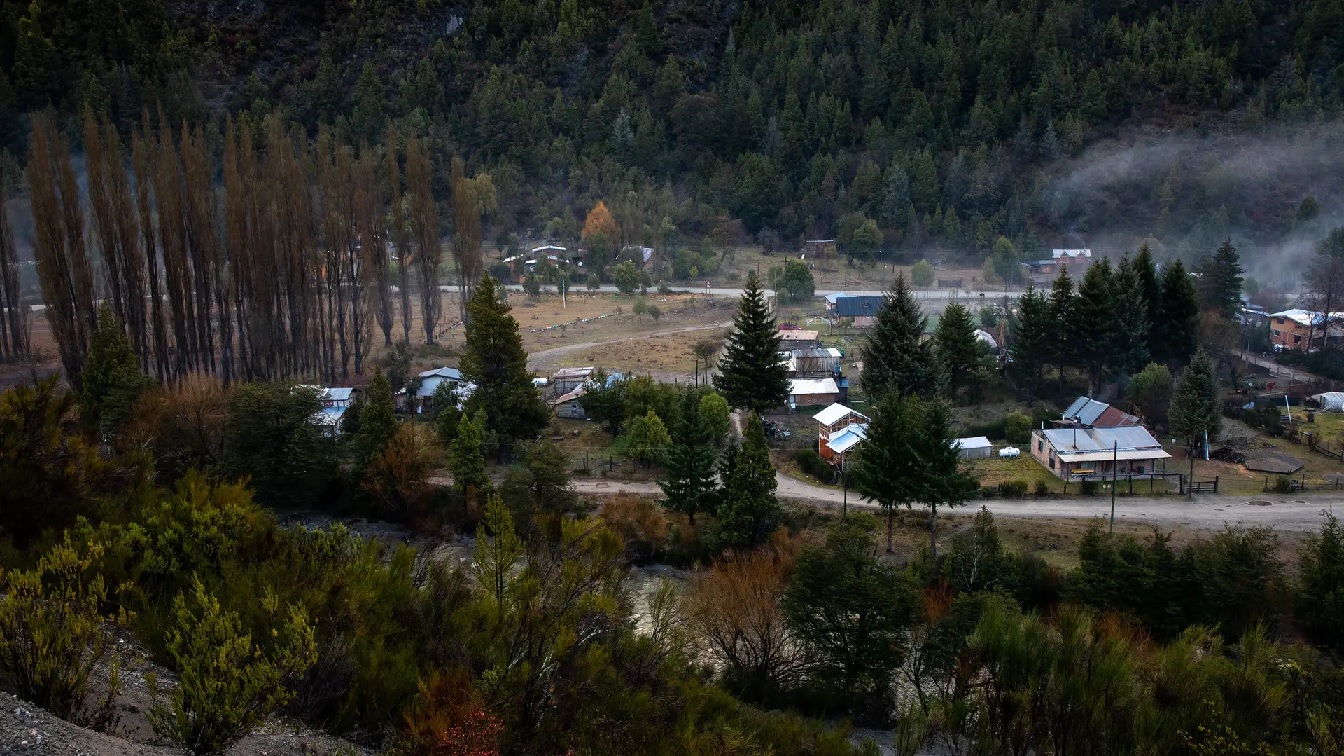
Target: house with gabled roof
[(1090, 413), (840, 430)]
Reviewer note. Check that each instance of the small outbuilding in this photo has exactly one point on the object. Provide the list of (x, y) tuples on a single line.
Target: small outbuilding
[(1330, 401), (813, 392), (973, 447)]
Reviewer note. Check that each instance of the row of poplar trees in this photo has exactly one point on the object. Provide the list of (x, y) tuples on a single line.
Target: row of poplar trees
[(271, 261)]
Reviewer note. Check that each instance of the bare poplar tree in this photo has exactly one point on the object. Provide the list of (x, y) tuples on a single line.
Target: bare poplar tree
[(425, 226), (143, 161), (13, 314), (62, 260), (397, 224), (467, 235), (373, 262)]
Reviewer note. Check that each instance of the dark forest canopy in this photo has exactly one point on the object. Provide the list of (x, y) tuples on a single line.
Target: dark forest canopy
[(936, 119)]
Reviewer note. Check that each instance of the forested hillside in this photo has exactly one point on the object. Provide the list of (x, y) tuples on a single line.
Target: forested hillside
[(947, 122)]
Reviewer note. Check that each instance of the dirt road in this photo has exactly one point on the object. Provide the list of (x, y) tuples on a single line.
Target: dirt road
[(1206, 512)]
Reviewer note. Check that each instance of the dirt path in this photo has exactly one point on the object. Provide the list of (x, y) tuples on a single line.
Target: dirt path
[(543, 359), (1206, 512)]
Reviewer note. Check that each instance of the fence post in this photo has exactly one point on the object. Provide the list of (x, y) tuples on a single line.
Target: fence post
[(1215, 483)]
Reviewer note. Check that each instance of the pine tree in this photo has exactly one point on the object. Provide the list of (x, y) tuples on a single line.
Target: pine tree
[(1094, 327), (885, 469), (377, 421), (1150, 284), (111, 378), (751, 375), (1063, 322), (895, 356), (466, 460), (1030, 336), (1220, 281), (1178, 316), (942, 480), (1195, 409), (1131, 320), (749, 511), (494, 360), (689, 483), (956, 347)]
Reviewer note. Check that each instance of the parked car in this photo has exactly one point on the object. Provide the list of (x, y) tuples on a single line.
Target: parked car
[(1010, 452)]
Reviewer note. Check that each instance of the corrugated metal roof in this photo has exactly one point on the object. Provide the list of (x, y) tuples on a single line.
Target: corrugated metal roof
[(972, 442), (834, 414), (578, 372), (848, 439), (812, 386), (859, 307), (443, 372), (1081, 440)]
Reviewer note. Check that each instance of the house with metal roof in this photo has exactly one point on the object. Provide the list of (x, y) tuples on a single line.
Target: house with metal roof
[(1090, 413), (840, 430), (813, 392), (863, 309), (1044, 272), (1082, 453), (817, 362)]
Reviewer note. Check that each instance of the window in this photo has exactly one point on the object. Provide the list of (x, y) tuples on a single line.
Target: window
[(1297, 339), (1040, 446)]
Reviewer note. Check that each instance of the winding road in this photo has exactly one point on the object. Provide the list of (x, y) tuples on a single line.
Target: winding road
[(1205, 512)]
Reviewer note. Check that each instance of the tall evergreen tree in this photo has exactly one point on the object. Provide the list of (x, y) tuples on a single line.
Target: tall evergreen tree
[(1131, 320), (466, 458), (895, 356), (377, 421), (957, 348), (885, 470), (690, 484), (1195, 406), (1178, 316), (1030, 338), (942, 480), (1150, 284), (749, 511), (1063, 322), (1220, 281), (1094, 327), (751, 375), (494, 360), (111, 378)]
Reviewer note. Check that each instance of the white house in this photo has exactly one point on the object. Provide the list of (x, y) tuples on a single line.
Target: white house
[(812, 392), (430, 381)]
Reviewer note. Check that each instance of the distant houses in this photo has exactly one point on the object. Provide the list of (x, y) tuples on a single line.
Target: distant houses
[(1293, 329), (1090, 413), (335, 401), (1042, 273), (429, 382), (569, 385)]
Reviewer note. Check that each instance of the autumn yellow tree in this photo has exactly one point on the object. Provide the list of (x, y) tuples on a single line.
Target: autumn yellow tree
[(600, 234)]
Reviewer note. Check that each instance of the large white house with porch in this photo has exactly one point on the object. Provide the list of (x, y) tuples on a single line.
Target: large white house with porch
[(1082, 453)]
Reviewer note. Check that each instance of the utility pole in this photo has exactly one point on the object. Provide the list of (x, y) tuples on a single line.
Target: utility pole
[(1115, 477)]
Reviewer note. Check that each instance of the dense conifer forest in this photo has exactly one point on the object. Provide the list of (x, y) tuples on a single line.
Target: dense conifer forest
[(946, 123)]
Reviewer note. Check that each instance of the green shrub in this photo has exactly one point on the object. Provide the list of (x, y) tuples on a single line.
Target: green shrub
[(988, 492), (1017, 428), (1013, 489), (812, 464), (1283, 485), (1089, 487), (51, 629), (1042, 488), (227, 684)]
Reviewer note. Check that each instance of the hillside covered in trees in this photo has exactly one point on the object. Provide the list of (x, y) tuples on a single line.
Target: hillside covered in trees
[(947, 123)]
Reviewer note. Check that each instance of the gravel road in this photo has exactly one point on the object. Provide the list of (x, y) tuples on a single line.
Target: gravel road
[(1206, 512)]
